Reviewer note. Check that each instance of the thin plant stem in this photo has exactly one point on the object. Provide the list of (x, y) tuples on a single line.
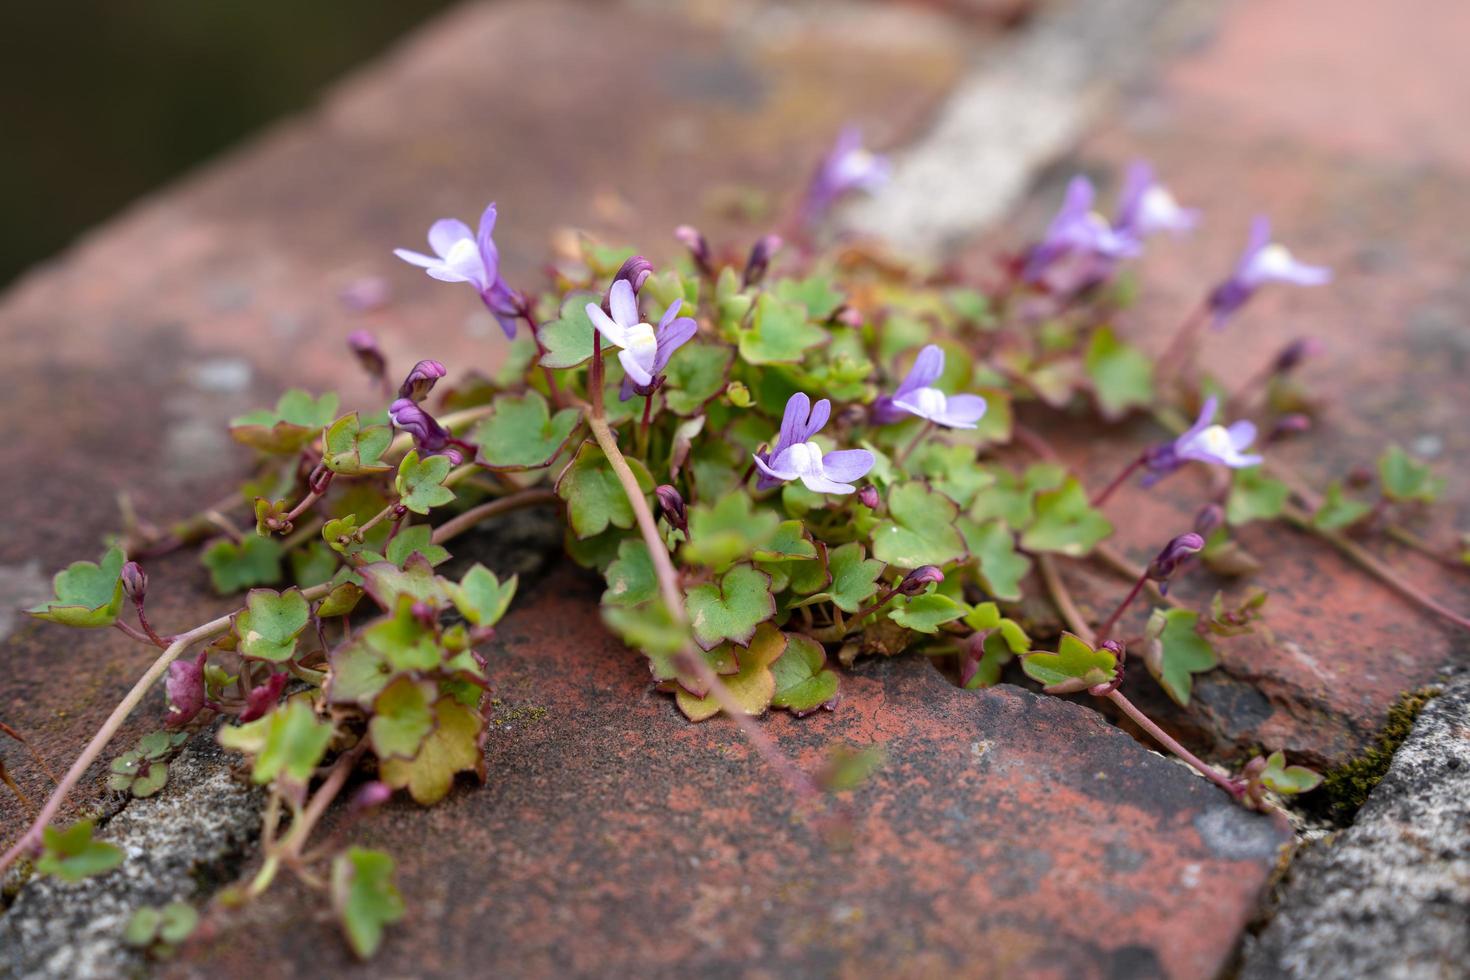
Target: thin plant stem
[(1106, 629), (1184, 341), (130, 630), (903, 454), (1231, 786), (1102, 495), (551, 386), (1114, 559), (181, 643), (461, 523), (36, 756), (1062, 598)]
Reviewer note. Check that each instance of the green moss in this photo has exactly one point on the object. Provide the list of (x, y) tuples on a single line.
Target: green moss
[(1347, 787)]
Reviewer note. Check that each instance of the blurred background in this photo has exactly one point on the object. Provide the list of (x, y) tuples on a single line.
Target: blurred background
[(102, 101)]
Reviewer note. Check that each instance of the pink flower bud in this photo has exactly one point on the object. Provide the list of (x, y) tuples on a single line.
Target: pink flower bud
[(671, 507), (919, 579), (421, 380), (262, 699), (185, 689), (135, 583), (370, 795), (868, 496)]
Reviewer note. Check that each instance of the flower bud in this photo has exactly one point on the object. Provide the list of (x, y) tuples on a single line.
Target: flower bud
[(760, 258), (919, 579), (428, 435), (135, 582), (691, 238), (636, 270), (425, 614), (319, 479), (1167, 562), (365, 347), (185, 689), (1289, 425), (867, 495), (420, 380), (1209, 518), (671, 507), (260, 700), (370, 795), (1294, 353)]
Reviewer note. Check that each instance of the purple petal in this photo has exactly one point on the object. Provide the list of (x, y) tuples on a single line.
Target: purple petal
[(821, 412), (1260, 237), (445, 232), (417, 258), (610, 329), (1242, 434), (1139, 179), (669, 314), (793, 422), (486, 237), (771, 474), (623, 304), (626, 391), (928, 366), (670, 338), (1206, 417), (847, 465), (962, 411)]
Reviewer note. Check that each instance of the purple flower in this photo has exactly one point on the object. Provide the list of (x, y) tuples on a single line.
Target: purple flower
[(796, 457), (260, 700), (1262, 262), (916, 396), (1077, 231), (1204, 442), (421, 380), (1175, 553), (429, 437), (643, 351), (760, 258), (185, 689), (462, 256), (636, 270), (919, 579), (846, 168), (1145, 207)]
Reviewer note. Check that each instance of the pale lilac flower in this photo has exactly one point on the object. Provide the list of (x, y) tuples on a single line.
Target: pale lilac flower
[(1145, 206), (917, 396), (796, 457), (1204, 442), (643, 350), (1262, 262), (464, 256), (1077, 232), (847, 167)]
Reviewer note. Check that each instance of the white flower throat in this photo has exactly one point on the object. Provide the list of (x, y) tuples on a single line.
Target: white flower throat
[(930, 402), (1215, 440), (804, 458)]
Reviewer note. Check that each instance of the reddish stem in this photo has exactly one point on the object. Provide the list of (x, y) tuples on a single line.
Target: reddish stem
[(1106, 628), (1231, 786), (1102, 495)]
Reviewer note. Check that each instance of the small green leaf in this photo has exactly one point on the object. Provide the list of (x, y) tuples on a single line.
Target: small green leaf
[(522, 432), (288, 743), (780, 333), (1288, 780), (927, 612), (952, 471), (568, 339), (88, 594), (270, 623), (142, 928), (650, 629), (254, 561), (593, 494), (296, 421), (1255, 497), (1000, 566), (72, 854), (416, 539), (752, 686), (1065, 522), (731, 529), (1174, 651), (986, 617), (696, 373), (854, 577), (1122, 375), (790, 543), (920, 530), (177, 922), (1338, 510), (732, 609), (815, 292), (1405, 479), (402, 716), (420, 483), (995, 653), (365, 897), (803, 681), (481, 597), (351, 449), (1011, 498), (1074, 667), (452, 747), (631, 580), (387, 583)]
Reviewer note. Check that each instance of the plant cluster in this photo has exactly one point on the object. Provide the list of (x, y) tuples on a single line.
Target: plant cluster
[(778, 463)]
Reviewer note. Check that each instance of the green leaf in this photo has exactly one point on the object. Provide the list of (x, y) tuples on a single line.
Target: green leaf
[(352, 450), (254, 561), (1174, 651), (270, 623), (1406, 479), (568, 339), (927, 612), (986, 617), (920, 530), (952, 471), (752, 686), (854, 577), (296, 421), (1254, 497), (1000, 566), (522, 432), (631, 580), (416, 539), (142, 928), (340, 601), (452, 747), (420, 483), (72, 854), (696, 373), (402, 716), (593, 494), (1338, 510), (814, 292), (732, 609), (1122, 375), (88, 594), (1011, 498), (1288, 780), (731, 529), (779, 333), (1074, 667), (388, 584), (803, 681), (1065, 522), (995, 653), (177, 922), (790, 543), (650, 629), (288, 743), (481, 597), (313, 564), (365, 897)]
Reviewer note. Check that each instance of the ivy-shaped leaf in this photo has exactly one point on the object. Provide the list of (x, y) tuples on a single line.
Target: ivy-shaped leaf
[(723, 533), (696, 374), (803, 681), (1065, 522), (1012, 496), (921, 529), (297, 420), (1288, 780), (253, 561), (568, 339), (926, 612), (269, 624), (1405, 479), (351, 449), (387, 583), (650, 629), (593, 494), (88, 594), (997, 562), (416, 539), (1254, 496), (952, 471), (481, 597), (365, 898), (1122, 375), (854, 578), (1174, 651), (986, 617), (732, 609), (1074, 667), (631, 580), (1338, 510), (72, 854), (815, 292), (402, 716), (522, 432), (752, 686), (287, 744), (779, 333), (452, 747), (420, 482)]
